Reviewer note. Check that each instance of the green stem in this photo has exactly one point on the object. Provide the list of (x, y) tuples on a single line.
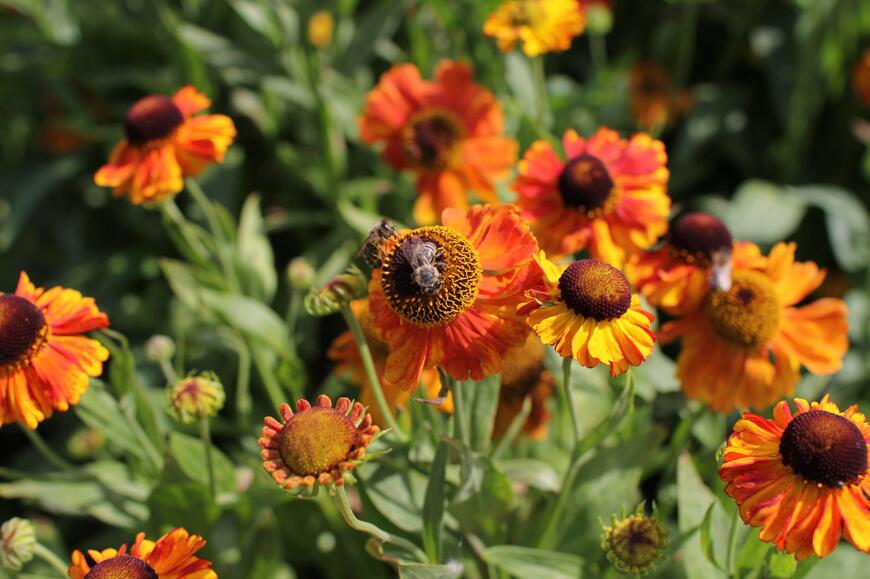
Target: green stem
[(243, 382), (542, 109), (374, 531), (686, 47), (46, 451), (732, 545), (49, 557), (597, 53), (273, 389), (173, 214), (552, 516), (293, 309), (372, 375), (220, 238), (168, 372), (569, 399), (514, 429), (205, 435), (459, 432)]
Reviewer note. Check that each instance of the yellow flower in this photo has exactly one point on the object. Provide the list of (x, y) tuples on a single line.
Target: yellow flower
[(320, 29), (541, 25), (316, 444), (586, 311)]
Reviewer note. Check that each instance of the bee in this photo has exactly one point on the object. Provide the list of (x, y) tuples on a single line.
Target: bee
[(378, 235), (424, 258), (720, 272)]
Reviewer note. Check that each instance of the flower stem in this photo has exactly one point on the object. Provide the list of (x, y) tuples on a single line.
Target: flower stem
[(374, 531), (371, 374), (459, 432), (173, 214), (168, 372), (243, 382), (273, 389), (552, 516), (569, 398), (732, 545), (686, 47), (49, 557), (597, 53), (205, 435), (45, 450), (514, 429)]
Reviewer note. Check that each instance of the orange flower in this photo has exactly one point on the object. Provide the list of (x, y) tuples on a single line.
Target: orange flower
[(344, 351), (466, 323), (587, 312), (861, 78), (523, 376), (541, 25), (803, 477), (654, 103), (608, 196), (745, 346), (316, 444), (675, 277), (165, 143), (45, 363), (448, 132), (171, 557)]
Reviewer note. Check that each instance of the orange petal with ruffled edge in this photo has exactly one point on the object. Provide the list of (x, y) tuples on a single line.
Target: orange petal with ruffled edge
[(400, 93), (157, 176), (816, 335), (201, 141), (190, 101), (121, 166), (437, 191)]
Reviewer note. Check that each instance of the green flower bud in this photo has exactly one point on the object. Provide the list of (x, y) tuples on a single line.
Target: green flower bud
[(633, 544), (599, 19), (342, 290), (17, 543), (159, 348), (195, 397), (300, 274)]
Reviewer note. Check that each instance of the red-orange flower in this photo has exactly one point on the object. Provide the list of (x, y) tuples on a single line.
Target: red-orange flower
[(676, 276), (345, 352), (803, 477), (607, 196), (861, 78), (654, 101), (467, 322), (448, 132), (746, 345), (172, 556), (165, 143), (45, 362)]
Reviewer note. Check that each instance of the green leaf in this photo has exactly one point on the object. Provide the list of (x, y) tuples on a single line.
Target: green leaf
[(519, 78), (182, 505), (532, 472), (418, 571), (754, 551), (254, 258), (433, 504), (398, 496), (847, 221), (189, 454), (782, 564), (763, 212), (525, 562), (694, 501), (485, 497), (707, 539), (250, 317), (483, 405)]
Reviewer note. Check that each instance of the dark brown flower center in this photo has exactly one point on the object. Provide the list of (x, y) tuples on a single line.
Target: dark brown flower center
[(595, 289), (824, 448), (315, 440), (152, 118), (695, 237), (431, 139), (431, 275), (585, 185), (122, 567), (746, 315), (22, 329)]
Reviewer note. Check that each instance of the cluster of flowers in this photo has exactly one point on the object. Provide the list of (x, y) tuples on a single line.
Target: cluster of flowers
[(504, 287)]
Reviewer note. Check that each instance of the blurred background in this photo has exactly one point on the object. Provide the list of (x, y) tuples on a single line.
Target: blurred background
[(764, 107)]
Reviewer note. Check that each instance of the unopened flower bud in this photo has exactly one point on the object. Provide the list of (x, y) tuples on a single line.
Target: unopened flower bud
[(195, 397), (342, 290), (300, 274), (85, 443), (320, 29), (159, 348), (634, 544), (17, 543), (599, 19)]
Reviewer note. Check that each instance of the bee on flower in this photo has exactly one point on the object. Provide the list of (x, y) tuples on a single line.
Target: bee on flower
[(540, 25)]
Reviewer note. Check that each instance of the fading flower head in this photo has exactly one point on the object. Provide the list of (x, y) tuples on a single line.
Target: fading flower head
[(587, 312), (608, 195), (316, 445), (45, 361), (457, 312), (802, 477), (634, 543), (164, 142), (744, 347), (541, 25), (172, 556), (448, 133)]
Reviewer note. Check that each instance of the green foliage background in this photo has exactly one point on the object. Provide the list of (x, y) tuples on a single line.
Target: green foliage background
[(772, 145)]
